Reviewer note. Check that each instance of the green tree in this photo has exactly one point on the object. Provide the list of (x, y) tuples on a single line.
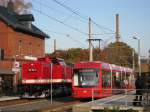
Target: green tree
[(72, 55), (120, 53)]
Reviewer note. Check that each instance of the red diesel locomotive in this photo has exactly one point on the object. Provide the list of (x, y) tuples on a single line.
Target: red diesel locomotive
[(98, 79), (45, 74)]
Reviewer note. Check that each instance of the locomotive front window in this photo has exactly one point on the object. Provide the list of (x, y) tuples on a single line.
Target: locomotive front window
[(86, 77)]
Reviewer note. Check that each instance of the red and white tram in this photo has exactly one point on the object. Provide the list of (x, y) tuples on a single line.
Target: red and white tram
[(99, 79)]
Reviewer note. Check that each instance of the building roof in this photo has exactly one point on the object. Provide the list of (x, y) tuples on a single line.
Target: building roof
[(20, 22)]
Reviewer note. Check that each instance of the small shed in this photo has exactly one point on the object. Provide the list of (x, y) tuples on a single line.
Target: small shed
[(6, 82)]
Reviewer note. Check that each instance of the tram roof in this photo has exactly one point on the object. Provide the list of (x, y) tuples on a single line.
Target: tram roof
[(110, 66)]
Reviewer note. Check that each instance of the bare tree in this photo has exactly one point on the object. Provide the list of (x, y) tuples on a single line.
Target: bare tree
[(3, 2), (20, 6)]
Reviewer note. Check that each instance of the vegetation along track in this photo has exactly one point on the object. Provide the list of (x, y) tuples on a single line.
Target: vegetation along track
[(65, 105), (18, 101)]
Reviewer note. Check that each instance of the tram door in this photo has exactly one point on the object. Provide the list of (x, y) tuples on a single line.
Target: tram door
[(116, 79), (106, 83)]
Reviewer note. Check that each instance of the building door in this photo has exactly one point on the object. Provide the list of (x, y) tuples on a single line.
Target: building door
[(1, 86), (7, 86)]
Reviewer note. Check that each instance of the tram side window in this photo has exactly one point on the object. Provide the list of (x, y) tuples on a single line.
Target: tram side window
[(118, 79), (128, 78), (123, 80), (75, 80), (132, 79), (106, 78)]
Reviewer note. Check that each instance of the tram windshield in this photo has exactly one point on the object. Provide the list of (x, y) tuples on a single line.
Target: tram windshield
[(86, 77)]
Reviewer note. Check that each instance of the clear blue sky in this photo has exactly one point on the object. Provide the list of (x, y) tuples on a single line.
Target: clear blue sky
[(134, 20)]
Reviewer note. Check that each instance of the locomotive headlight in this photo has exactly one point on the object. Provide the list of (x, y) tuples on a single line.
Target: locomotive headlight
[(32, 70), (84, 91), (29, 70)]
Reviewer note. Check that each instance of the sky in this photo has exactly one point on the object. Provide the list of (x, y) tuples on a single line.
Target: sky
[(70, 28)]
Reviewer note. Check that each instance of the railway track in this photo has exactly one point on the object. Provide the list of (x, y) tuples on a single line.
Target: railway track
[(36, 105), (17, 101), (67, 107)]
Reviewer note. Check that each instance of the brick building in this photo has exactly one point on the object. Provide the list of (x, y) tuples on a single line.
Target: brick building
[(19, 38)]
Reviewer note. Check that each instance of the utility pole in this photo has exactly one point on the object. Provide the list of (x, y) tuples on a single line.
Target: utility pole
[(149, 61), (117, 28), (54, 45), (90, 43), (139, 54), (99, 40), (149, 57), (51, 84)]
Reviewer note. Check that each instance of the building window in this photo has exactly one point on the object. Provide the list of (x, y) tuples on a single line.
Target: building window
[(19, 49), (30, 48)]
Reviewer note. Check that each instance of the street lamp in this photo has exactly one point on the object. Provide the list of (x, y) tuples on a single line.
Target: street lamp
[(139, 60), (133, 54)]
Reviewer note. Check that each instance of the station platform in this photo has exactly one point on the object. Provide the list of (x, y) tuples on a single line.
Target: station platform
[(114, 102), (7, 98)]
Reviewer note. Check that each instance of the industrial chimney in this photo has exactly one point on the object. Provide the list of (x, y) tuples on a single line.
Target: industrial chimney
[(117, 28)]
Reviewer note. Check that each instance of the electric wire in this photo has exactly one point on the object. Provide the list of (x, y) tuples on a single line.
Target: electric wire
[(74, 12), (49, 7), (66, 35), (69, 16), (61, 22), (70, 9), (81, 16)]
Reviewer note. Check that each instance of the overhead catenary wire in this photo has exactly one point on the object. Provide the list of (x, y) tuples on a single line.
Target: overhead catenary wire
[(70, 9), (72, 38), (58, 11), (49, 7), (81, 45), (61, 22), (76, 13), (99, 26), (55, 32), (81, 16), (68, 36)]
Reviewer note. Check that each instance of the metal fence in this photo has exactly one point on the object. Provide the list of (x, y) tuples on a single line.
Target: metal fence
[(125, 97)]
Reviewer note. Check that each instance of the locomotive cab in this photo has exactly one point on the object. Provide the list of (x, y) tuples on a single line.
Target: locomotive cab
[(86, 79), (99, 79), (45, 74)]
